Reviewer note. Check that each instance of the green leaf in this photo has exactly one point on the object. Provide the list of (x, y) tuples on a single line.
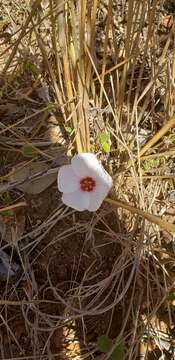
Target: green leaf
[(106, 147), (50, 107), (118, 353), (104, 343), (149, 164), (105, 141), (153, 163), (68, 129), (29, 151), (104, 137)]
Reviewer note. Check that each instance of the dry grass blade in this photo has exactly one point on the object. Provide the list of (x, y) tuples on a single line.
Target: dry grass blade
[(14, 206), (10, 127), (128, 42), (150, 217), (15, 48), (108, 23), (51, 73), (115, 67), (169, 125)]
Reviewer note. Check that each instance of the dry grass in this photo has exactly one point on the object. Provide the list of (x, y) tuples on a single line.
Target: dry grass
[(71, 70)]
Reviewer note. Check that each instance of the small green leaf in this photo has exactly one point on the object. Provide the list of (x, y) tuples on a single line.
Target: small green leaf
[(50, 107), (149, 164), (106, 147), (105, 141), (153, 163), (118, 353), (68, 129), (29, 151), (104, 343), (104, 137)]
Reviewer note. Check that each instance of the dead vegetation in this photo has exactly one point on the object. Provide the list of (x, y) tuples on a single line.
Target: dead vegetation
[(95, 76)]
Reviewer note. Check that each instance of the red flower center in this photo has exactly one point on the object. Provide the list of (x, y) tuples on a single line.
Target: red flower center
[(87, 184)]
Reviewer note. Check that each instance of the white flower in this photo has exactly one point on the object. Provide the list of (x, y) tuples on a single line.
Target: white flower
[(84, 182)]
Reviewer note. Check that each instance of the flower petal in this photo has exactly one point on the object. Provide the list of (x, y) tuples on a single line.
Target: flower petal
[(67, 180), (97, 196), (105, 179), (77, 200), (86, 164)]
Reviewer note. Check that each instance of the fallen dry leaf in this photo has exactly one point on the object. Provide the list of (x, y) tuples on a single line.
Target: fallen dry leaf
[(36, 184)]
